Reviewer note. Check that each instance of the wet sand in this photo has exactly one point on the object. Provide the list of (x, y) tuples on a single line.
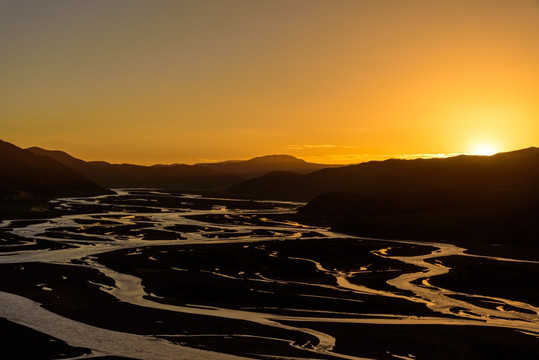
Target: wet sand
[(429, 341), (243, 278)]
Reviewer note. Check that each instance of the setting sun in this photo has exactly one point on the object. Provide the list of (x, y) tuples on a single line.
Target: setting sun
[(484, 149), (327, 81), (232, 179)]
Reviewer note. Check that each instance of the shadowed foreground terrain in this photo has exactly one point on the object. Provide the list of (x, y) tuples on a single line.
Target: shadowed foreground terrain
[(159, 274), (476, 201)]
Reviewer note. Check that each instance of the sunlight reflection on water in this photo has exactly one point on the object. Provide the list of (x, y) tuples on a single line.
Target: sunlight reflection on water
[(129, 288)]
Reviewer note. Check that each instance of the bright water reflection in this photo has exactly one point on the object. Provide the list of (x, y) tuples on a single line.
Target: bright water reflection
[(135, 224)]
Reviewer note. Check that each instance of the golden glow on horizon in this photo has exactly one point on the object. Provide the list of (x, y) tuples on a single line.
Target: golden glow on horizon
[(327, 81), (484, 149)]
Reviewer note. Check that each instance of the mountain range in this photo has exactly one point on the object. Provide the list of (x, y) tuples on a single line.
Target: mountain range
[(210, 176), (28, 175), (477, 200), (490, 198), (262, 165), (177, 176), (203, 176), (516, 169)]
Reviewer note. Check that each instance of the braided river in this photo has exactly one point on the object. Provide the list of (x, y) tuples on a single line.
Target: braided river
[(156, 274)]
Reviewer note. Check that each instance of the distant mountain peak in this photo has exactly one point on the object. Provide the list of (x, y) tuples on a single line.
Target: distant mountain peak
[(58, 155), (261, 165), (178, 176), (27, 172), (277, 158), (503, 170), (36, 149)]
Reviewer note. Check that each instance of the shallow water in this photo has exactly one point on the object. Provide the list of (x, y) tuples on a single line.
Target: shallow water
[(107, 228)]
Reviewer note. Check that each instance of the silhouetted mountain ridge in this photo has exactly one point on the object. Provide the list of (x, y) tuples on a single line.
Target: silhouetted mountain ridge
[(261, 165), (28, 175), (477, 200), (212, 176), (178, 176), (513, 169)]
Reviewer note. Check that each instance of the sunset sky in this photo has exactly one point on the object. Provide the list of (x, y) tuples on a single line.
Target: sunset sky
[(329, 81)]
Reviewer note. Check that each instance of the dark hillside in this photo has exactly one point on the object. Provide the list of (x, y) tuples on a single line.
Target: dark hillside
[(176, 176), (517, 169), (487, 201), (264, 164), (27, 175)]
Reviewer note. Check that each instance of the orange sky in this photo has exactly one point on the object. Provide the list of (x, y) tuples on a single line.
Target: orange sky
[(328, 81)]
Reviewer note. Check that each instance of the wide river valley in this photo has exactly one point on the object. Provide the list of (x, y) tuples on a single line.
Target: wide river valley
[(156, 274)]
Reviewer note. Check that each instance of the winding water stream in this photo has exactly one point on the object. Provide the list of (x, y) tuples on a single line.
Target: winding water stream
[(447, 307)]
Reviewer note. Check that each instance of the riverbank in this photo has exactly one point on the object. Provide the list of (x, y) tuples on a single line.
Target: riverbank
[(244, 278)]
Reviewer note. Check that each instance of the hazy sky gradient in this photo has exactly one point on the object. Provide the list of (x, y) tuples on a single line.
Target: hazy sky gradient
[(331, 81)]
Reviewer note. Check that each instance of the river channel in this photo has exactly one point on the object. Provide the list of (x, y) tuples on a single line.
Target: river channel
[(154, 274)]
